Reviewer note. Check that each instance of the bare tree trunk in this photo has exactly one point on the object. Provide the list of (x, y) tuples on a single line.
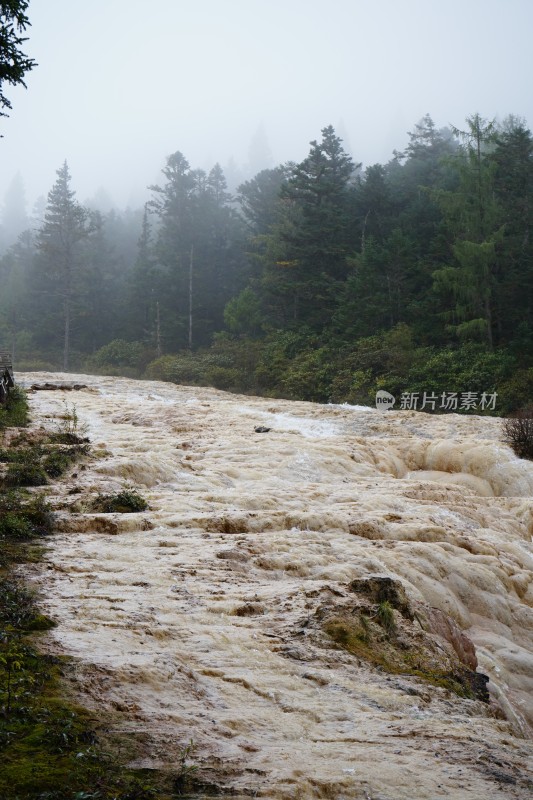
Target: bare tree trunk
[(191, 262), (157, 330), (363, 234), (66, 339), (488, 316)]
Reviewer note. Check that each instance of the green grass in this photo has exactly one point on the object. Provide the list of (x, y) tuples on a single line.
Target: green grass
[(25, 474), (14, 413), (385, 616), (56, 462)]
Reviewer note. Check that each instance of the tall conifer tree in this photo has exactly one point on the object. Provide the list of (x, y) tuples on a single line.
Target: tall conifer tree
[(66, 225)]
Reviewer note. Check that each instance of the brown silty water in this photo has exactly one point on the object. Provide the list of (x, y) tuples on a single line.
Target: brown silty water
[(201, 618)]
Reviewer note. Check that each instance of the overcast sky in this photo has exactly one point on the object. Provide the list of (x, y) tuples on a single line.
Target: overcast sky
[(121, 84)]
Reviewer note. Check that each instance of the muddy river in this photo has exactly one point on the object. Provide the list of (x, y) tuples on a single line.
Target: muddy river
[(199, 618)]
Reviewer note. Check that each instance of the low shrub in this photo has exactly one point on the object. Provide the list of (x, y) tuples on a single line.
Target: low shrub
[(179, 368), (126, 502), (15, 526), (23, 515), (25, 474), (116, 356), (518, 433), (14, 413), (57, 462)]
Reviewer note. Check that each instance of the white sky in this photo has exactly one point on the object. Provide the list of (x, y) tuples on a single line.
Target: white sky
[(121, 84)]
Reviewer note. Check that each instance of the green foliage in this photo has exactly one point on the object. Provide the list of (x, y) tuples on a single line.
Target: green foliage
[(30, 465), (25, 474), (517, 388), (307, 249), (309, 375), (468, 368), (23, 517), (15, 411), (278, 351), (204, 368), (335, 283), (57, 462), (17, 608), (181, 368), (117, 353), (196, 264), (14, 64), (15, 526), (260, 201), (242, 315), (10, 662), (375, 362), (125, 502), (389, 361)]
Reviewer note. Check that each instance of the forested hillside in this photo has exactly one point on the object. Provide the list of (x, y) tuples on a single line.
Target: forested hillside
[(319, 280)]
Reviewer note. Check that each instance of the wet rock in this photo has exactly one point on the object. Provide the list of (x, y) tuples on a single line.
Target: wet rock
[(232, 555), (262, 429), (312, 676), (296, 653), (63, 387), (382, 588), (368, 529), (227, 524), (248, 610), (475, 683), (444, 626), (85, 523)]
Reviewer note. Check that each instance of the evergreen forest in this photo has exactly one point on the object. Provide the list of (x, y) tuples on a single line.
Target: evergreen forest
[(317, 280)]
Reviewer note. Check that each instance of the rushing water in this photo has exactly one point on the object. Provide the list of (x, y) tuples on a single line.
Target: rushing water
[(191, 619)]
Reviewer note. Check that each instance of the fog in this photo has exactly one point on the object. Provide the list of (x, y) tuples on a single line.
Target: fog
[(120, 85)]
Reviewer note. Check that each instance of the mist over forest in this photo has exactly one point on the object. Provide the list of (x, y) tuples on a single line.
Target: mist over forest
[(318, 280), (256, 198)]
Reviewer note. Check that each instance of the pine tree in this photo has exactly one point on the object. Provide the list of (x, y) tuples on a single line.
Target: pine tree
[(198, 251), (474, 220), (172, 204), (259, 199), (66, 225), (144, 289), (308, 248), (513, 184), (13, 62)]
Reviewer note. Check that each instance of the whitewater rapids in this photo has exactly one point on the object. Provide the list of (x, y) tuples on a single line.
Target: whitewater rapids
[(189, 620)]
